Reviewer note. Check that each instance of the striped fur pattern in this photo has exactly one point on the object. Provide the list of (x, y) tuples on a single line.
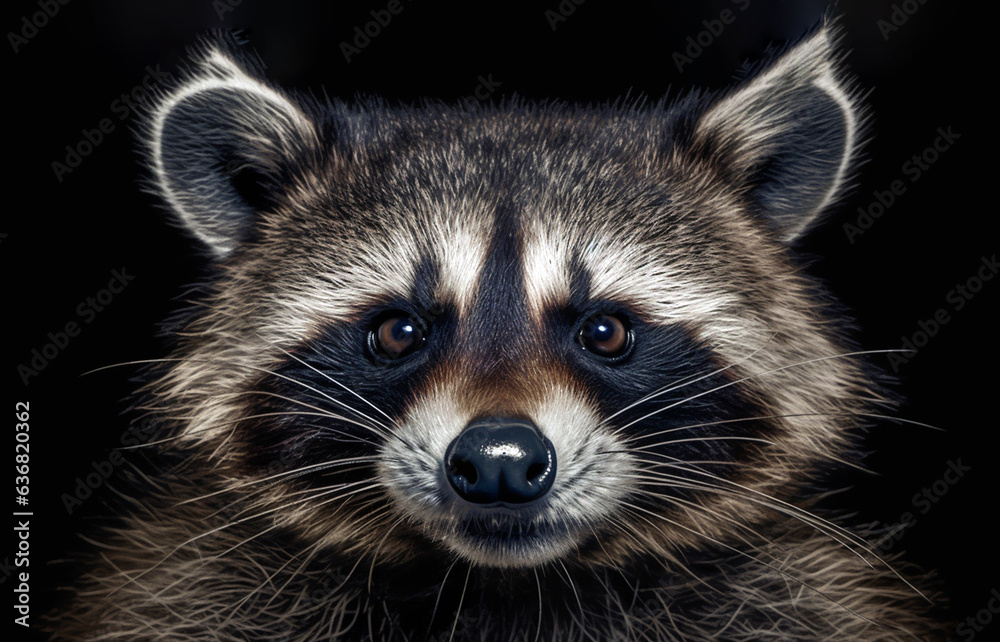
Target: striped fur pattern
[(300, 495)]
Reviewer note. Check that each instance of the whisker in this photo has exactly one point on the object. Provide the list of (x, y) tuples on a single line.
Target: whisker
[(759, 561), (781, 416), (750, 377), (763, 499), (233, 422), (699, 508), (249, 539), (538, 583), (325, 412), (703, 439), (371, 569), (822, 525), (297, 472), (248, 367), (306, 491), (334, 381), (313, 548), (579, 603), (663, 555), (316, 494), (437, 600), (237, 522), (767, 501), (461, 600), (742, 526), (688, 380)]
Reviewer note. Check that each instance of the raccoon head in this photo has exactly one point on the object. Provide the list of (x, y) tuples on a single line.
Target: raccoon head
[(513, 334)]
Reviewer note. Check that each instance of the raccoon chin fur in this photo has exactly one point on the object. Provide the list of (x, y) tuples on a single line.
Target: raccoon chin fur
[(607, 297)]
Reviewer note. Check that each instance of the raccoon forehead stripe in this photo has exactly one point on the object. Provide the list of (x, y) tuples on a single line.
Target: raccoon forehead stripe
[(658, 285), (547, 257), (626, 271), (455, 245), (459, 246)]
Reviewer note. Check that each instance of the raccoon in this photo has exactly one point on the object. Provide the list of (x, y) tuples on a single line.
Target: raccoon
[(496, 372)]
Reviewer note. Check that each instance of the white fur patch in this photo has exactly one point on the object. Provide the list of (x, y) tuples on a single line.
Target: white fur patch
[(625, 270), (460, 245), (592, 472), (546, 268)]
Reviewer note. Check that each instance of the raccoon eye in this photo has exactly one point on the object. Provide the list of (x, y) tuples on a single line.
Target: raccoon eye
[(605, 335), (395, 337)]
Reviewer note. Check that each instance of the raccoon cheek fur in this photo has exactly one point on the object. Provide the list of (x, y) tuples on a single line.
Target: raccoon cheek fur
[(507, 372)]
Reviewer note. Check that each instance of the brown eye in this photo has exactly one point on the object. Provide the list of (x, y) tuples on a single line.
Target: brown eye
[(396, 337), (605, 335)]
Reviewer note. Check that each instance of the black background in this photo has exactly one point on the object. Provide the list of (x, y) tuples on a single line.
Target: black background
[(64, 238)]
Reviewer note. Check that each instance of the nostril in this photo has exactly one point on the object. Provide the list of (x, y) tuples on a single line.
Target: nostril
[(500, 461), (535, 471), (464, 468)]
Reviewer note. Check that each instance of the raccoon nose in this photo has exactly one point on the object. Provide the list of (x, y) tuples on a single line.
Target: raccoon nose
[(500, 460)]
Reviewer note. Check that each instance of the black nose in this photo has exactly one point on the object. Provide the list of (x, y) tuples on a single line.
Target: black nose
[(500, 460)]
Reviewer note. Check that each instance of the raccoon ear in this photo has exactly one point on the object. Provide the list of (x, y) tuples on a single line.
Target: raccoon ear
[(788, 134), (218, 140)]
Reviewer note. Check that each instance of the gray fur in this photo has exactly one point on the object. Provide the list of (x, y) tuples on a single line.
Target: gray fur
[(666, 209)]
